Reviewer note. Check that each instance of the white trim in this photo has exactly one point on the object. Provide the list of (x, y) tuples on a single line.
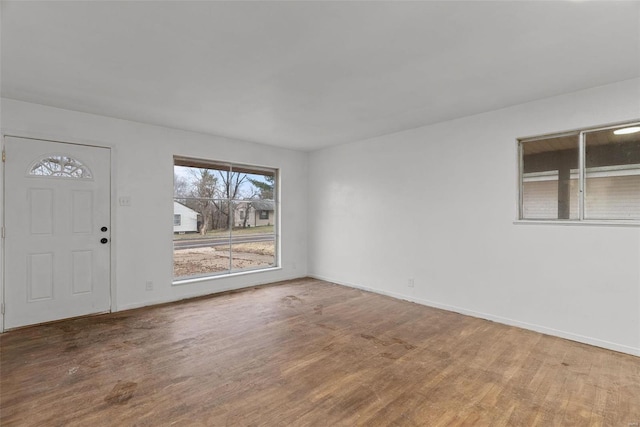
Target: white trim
[(113, 232), (17, 133), (223, 276), (616, 223), (635, 351), (211, 292), (2, 247)]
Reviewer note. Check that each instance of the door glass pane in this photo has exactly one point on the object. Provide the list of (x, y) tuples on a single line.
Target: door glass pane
[(60, 165)]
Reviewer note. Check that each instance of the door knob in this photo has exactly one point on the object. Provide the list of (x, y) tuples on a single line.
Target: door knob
[(103, 229), (104, 240)]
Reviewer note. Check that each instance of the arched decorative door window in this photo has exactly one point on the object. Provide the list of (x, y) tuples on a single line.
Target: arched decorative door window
[(61, 166)]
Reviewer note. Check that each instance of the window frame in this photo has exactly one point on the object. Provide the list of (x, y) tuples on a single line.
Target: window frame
[(581, 220), (246, 168)]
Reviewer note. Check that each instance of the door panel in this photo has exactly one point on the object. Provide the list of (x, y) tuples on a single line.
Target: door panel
[(82, 211), (40, 210), (40, 277), (82, 265), (57, 197)]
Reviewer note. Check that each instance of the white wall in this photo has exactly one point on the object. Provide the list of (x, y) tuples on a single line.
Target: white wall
[(438, 204), (143, 166), (453, 185)]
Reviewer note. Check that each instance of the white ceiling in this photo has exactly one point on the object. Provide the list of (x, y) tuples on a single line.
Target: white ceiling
[(306, 75)]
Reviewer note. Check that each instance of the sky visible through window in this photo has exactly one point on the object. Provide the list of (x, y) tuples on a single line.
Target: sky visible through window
[(247, 189)]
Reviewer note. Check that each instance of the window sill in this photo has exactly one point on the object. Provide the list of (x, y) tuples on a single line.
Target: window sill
[(613, 223), (222, 276)]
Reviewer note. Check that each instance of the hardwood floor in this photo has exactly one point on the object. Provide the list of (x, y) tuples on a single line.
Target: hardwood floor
[(307, 352)]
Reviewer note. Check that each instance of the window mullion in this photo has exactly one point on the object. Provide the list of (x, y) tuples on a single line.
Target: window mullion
[(230, 216), (520, 180), (581, 176)]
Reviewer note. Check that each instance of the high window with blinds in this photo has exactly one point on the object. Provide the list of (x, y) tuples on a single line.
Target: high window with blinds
[(228, 218), (586, 175)]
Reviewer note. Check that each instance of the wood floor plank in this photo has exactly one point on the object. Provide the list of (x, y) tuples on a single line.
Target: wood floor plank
[(306, 353)]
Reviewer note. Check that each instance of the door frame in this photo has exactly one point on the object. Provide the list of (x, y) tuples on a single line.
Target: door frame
[(112, 195)]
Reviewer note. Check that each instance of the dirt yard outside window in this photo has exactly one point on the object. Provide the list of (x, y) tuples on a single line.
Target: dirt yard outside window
[(210, 260)]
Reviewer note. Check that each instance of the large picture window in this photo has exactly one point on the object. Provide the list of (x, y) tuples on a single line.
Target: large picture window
[(228, 218), (591, 174)]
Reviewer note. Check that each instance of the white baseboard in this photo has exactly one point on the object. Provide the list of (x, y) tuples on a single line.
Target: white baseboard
[(216, 290), (504, 320)]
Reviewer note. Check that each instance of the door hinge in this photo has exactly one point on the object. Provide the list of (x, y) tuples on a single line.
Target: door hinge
[(2, 308), (4, 156)]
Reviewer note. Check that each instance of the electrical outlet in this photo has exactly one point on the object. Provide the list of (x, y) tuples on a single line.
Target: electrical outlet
[(149, 285), (410, 282)]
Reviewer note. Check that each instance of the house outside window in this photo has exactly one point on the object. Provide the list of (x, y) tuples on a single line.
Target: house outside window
[(264, 214), (177, 219)]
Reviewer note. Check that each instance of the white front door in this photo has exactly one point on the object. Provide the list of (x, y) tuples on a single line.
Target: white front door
[(57, 231)]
